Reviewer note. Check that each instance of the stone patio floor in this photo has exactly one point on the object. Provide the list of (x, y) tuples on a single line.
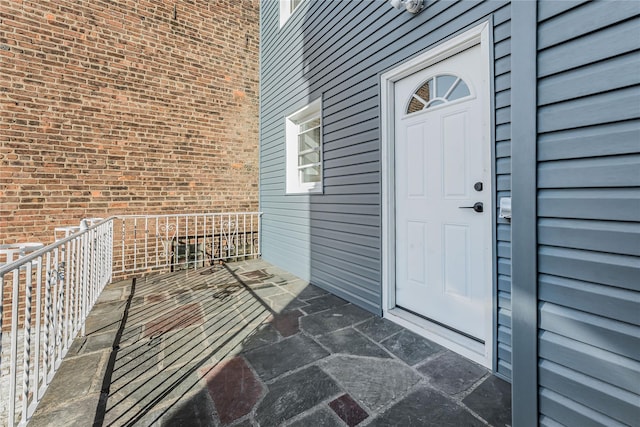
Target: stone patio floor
[(247, 344)]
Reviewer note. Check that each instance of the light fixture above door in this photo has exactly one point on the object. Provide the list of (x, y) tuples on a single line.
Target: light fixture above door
[(412, 6)]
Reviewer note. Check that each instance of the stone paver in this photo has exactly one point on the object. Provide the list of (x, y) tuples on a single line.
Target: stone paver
[(410, 347), (233, 388), (185, 347), (372, 382), (294, 394), (198, 411), (323, 417), (247, 344), (348, 410), (112, 294), (176, 319), (267, 290), (92, 343), (133, 400), (334, 319), (350, 341), (492, 401), (138, 360), (283, 302), (259, 275), (378, 328), (220, 323), (78, 413), (261, 336), (77, 374), (302, 290), (287, 323), (244, 423), (106, 318), (324, 302), (274, 360), (426, 407), (452, 373)]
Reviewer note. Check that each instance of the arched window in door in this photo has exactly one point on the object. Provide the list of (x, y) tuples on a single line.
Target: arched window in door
[(437, 90)]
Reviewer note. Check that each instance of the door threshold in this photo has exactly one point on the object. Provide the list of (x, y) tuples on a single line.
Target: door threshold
[(435, 322), (458, 343)]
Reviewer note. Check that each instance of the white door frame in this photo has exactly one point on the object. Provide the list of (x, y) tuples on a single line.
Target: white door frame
[(483, 354)]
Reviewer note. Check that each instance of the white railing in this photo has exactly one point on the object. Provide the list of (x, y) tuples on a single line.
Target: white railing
[(160, 242), (65, 279)]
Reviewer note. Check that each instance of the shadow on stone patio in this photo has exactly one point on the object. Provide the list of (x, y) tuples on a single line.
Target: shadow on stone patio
[(249, 344)]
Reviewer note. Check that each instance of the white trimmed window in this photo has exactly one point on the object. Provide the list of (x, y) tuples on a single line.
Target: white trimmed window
[(286, 9), (304, 149)]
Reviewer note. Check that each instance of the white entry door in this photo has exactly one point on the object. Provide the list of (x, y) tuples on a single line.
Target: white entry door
[(443, 194)]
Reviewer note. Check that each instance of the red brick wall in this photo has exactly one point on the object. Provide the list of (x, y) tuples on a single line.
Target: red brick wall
[(120, 107)]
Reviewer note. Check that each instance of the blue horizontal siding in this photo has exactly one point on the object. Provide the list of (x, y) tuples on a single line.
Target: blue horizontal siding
[(589, 213), (334, 239)]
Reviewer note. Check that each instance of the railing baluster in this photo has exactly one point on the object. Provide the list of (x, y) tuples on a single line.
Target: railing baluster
[(84, 297), (78, 273), (88, 287), (135, 243), (124, 239), (169, 244), (94, 275), (14, 347), (195, 261), (237, 235), (95, 264), (68, 272), (146, 241), (98, 254), (228, 237), (26, 353), (95, 253), (204, 238), (36, 357), (67, 330), (1, 316), (187, 255), (47, 308), (110, 246), (176, 252), (213, 236), (157, 248), (252, 240), (59, 302), (244, 235)]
